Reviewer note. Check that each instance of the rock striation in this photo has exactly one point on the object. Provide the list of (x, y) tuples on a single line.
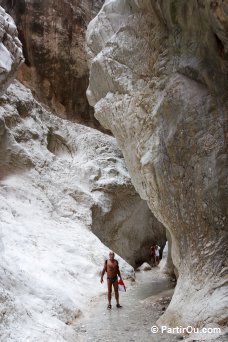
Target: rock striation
[(10, 50), (158, 81), (55, 68)]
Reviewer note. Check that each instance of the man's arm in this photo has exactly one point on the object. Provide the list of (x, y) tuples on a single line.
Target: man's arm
[(103, 271), (118, 270)]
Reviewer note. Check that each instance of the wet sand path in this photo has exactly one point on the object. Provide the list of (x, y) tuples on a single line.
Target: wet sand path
[(134, 321)]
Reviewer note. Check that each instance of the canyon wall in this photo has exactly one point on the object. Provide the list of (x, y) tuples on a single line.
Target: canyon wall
[(55, 68), (10, 59), (10, 50), (96, 178), (35, 139), (45, 218), (58, 181), (158, 81)]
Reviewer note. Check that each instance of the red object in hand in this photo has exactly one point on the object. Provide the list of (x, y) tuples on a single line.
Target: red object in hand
[(121, 285)]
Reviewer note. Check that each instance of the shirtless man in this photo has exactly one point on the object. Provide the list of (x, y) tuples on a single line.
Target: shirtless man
[(111, 266)]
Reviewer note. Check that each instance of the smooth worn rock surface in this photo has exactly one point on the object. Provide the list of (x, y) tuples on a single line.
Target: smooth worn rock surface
[(168, 266), (10, 50), (124, 222), (117, 210), (25, 123), (53, 173), (159, 73), (55, 68)]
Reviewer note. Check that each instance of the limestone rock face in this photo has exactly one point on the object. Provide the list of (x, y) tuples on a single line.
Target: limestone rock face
[(34, 138), (58, 182), (167, 266), (159, 73), (125, 224), (10, 50), (55, 68)]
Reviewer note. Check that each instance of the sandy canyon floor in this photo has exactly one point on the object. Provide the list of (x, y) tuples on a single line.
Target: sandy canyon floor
[(143, 303)]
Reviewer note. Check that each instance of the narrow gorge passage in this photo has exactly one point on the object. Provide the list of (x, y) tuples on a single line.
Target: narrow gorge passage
[(142, 305), (113, 137)]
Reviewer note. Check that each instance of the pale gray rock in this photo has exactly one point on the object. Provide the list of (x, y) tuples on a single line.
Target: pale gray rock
[(125, 224), (10, 50), (32, 138), (60, 181), (158, 81), (167, 266)]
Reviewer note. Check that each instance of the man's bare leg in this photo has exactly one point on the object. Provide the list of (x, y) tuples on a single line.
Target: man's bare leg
[(116, 292), (109, 291)]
